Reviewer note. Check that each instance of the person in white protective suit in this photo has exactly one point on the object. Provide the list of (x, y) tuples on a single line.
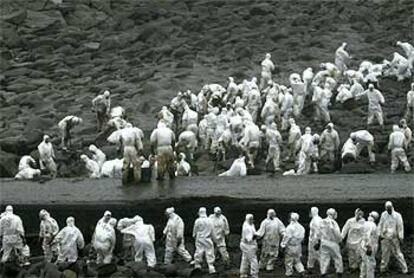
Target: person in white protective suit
[(407, 132), (409, 114), (237, 169), (399, 67), (91, 166), (117, 119), (270, 111), (332, 69), (342, 57), (144, 238), (174, 237), (397, 144), (202, 102), (307, 77), (344, 94), (271, 231), (65, 126), (112, 168), (286, 107), (349, 151), (220, 230), (97, 155), (189, 119), (101, 105), (162, 140), (221, 126), (47, 156), (27, 173), (191, 99), (248, 246), (408, 51), (298, 89), (322, 99), (292, 243), (12, 235), (177, 105), (130, 139), (306, 153), (128, 249), (391, 234), (251, 141), (26, 162), (187, 142), (361, 139), (211, 127), (328, 245), (254, 103), (329, 143), (69, 240), (353, 231), (353, 75), (167, 116), (314, 231), (274, 140), (356, 89), (203, 235), (183, 167), (369, 246), (49, 228), (267, 68), (104, 238), (232, 90), (293, 139), (375, 100)]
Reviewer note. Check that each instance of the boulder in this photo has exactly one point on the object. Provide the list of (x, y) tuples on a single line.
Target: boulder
[(16, 17), (38, 21), (8, 164)]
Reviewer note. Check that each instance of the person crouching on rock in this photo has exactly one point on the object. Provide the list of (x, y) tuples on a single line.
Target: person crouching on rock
[(162, 140), (65, 126)]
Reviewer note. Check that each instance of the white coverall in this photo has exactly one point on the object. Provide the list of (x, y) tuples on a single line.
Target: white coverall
[(307, 77), (269, 111), (397, 145), (330, 236), (167, 116), (11, 232), (104, 240), (69, 239), (47, 156), (203, 235), (353, 230), (341, 57), (251, 141), (248, 246), (272, 230), (274, 140), (174, 232), (189, 120), (293, 139), (112, 168), (375, 100), (183, 167), (266, 74), (49, 228), (286, 109), (65, 126), (391, 232), (322, 99), (238, 168), (306, 153), (292, 242), (344, 94), (364, 139), (298, 90), (144, 236), (188, 141), (349, 149), (221, 230), (25, 162), (314, 231), (369, 238), (27, 174), (329, 144), (92, 167), (97, 155), (254, 103)]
